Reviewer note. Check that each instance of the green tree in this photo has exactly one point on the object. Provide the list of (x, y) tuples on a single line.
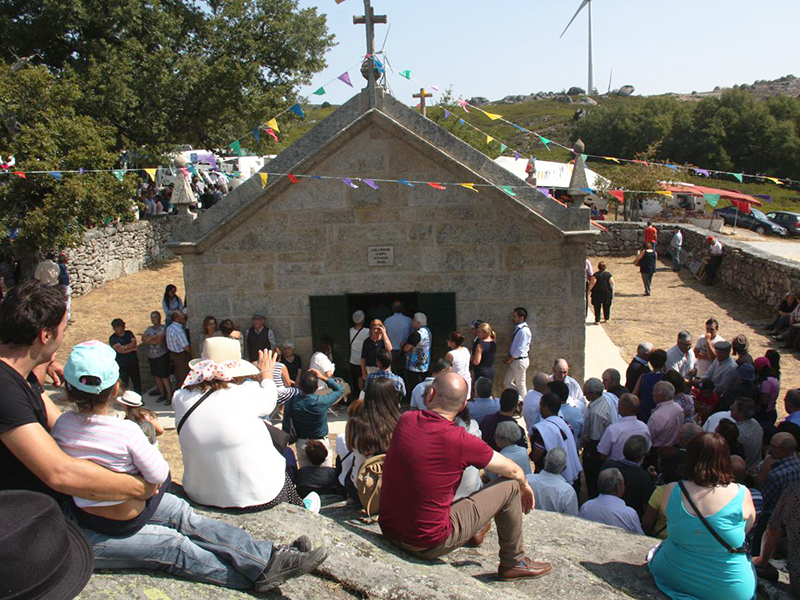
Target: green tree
[(44, 133), (164, 72)]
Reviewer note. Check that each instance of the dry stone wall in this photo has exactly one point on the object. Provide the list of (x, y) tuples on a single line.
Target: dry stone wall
[(111, 252), (755, 274)]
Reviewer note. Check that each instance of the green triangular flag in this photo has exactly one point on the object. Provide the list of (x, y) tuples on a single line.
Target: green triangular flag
[(508, 190), (503, 148), (236, 147), (406, 74), (738, 176), (584, 157), (119, 174), (320, 92), (545, 141), (712, 199)]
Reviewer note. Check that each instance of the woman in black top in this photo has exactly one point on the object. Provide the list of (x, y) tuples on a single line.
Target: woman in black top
[(294, 364), (646, 259), (601, 288), (378, 340), (484, 352)]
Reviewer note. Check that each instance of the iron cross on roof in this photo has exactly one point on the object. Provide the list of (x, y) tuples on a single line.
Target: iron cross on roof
[(370, 19)]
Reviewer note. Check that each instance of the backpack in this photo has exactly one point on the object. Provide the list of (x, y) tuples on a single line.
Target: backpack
[(368, 484)]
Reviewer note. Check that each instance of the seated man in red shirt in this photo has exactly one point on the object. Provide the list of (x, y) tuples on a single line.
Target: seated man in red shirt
[(423, 468)]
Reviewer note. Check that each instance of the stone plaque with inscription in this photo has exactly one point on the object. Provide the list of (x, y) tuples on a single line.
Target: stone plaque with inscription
[(380, 256)]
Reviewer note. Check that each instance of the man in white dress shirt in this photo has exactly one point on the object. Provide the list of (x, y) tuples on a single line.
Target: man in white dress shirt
[(517, 359), (681, 358), (530, 406), (599, 415), (549, 488), (561, 373), (612, 442)]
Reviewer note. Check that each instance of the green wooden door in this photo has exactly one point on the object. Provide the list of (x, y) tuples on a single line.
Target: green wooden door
[(329, 320), (441, 312)]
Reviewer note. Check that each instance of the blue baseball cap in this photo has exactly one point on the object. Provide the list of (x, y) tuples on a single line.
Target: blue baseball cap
[(90, 361)]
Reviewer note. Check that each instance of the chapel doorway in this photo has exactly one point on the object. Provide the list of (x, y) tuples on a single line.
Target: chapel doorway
[(331, 319)]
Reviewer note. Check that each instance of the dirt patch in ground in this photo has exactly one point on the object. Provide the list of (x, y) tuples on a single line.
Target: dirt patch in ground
[(679, 302)]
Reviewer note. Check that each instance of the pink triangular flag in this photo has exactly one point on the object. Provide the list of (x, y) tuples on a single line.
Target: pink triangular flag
[(464, 105)]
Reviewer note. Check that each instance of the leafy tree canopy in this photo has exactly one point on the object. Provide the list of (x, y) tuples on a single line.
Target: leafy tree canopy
[(162, 72)]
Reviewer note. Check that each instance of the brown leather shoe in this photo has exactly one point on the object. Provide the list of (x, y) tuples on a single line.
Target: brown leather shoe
[(477, 539), (530, 570)]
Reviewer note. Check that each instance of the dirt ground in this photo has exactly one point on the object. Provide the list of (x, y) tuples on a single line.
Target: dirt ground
[(679, 302)]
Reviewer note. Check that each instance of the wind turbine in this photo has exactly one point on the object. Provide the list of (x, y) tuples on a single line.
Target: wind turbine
[(584, 3)]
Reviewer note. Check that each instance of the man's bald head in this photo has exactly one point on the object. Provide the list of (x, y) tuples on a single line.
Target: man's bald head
[(628, 405), (449, 392), (784, 441), (540, 381), (738, 468), (560, 369)]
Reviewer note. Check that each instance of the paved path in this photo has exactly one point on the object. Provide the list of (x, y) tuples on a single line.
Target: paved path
[(786, 249), (601, 353)]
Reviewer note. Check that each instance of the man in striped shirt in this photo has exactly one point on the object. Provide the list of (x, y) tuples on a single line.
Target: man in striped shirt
[(178, 346)]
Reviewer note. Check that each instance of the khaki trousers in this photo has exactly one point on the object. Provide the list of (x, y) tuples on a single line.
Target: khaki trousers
[(516, 376), (499, 500)]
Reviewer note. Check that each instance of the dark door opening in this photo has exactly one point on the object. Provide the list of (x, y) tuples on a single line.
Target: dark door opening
[(331, 319)]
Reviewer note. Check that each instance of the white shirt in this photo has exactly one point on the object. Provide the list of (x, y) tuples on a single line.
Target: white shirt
[(614, 438), (228, 456), (471, 479), (521, 341), (682, 363), (461, 360), (323, 364), (553, 431), (598, 417), (723, 374), (553, 493), (576, 397), (398, 328), (530, 409), (713, 421), (677, 240), (357, 338), (716, 248), (704, 363), (417, 399)]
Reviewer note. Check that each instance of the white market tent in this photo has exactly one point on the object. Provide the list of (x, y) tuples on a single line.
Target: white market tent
[(549, 174)]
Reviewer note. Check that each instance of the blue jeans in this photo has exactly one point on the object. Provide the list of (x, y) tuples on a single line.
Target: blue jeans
[(181, 542), (676, 259)]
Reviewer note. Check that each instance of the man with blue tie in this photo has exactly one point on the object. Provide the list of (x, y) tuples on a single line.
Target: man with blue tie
[(517, 359)]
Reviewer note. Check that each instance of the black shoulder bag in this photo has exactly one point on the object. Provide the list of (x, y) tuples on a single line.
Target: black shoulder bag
[(745, 549), (192, 409)]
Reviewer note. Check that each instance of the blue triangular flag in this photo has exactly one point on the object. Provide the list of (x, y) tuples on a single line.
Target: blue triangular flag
[(447, 113), (56, 175), (404, 182), (257, 134), (298, 110)]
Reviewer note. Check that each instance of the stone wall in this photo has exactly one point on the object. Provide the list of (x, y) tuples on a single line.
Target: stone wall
[(111, 252), (755, 274)]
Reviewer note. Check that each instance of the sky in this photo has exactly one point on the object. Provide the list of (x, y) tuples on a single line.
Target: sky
[(495, 48)]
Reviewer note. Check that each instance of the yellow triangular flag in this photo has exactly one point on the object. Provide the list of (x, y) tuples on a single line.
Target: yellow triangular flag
[(264, 177), (489, 139), (492, 116), (273, 124), (664, 193), (469, 186), (774, 180), (151, 173), (611, 158)]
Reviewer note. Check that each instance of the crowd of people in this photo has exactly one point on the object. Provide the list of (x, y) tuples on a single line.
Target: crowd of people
[(208, 190), (689, 450)]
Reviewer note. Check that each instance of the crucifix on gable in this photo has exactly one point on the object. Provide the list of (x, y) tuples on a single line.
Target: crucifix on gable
[(370, 19), (422, 95)]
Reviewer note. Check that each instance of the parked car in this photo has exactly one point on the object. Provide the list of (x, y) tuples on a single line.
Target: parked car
[(789, 220), (756, 220)]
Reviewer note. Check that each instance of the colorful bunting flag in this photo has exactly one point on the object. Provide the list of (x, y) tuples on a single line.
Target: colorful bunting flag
[(435, 88), (764, 197), (517, 155), (489, 139), (612, 159), (257, 135), (503, 147), (545, 191), (271, 133), (522, 129), (20, 174), (80, 171), (319, 92), (406, 74), (664, 193), (774, 180), (508, 190), (584, 157), (703, 172), (315, 177), (298, 110), (339, 1), (349, 182), (463, 104), (712, 199), (293, 179), (545, 141), (673, 167), (437, 186), (447, 114), (273, 124), (618, 194), (379, 65), (405, 182), (743, 207), (264, 177), (739, 177), (461, 121), (469, 186), (370, 183), (345, 77), (236, 147), (119, 174), (150, 172), (492, 116), (55, 175)]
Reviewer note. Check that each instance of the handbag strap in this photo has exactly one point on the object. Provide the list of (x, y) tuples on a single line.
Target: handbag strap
[(192, 409), (711, 530)]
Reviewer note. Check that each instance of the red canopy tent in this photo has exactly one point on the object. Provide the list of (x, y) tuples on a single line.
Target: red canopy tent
[(700, 190)]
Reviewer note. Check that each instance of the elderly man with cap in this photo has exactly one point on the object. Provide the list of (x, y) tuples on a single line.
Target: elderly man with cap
[(258, 337), (714, 258), (723, 371), (358, 333)]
